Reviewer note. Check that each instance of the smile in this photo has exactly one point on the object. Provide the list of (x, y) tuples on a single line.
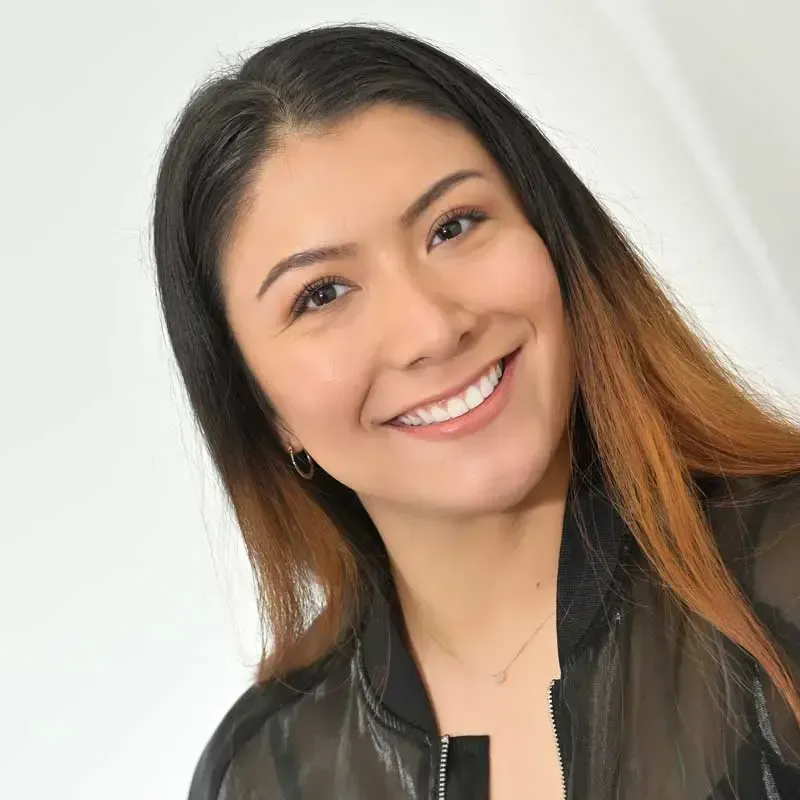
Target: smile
[(466, 411), (459, 404)]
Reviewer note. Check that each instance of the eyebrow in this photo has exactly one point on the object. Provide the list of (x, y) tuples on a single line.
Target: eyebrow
[(333, 252)]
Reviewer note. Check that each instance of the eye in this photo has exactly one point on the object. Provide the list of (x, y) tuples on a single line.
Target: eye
[(319, 293), (456, 223)]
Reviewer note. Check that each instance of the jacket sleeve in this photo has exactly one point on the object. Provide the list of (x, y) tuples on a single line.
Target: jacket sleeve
[(776, 598), (216, 776), (239, 761), (212, 771)]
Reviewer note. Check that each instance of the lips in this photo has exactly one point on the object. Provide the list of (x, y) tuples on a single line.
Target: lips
[(458, 401), (457, 405), (474, 420)]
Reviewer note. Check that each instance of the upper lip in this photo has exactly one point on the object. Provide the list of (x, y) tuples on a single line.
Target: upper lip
[(452, 392)]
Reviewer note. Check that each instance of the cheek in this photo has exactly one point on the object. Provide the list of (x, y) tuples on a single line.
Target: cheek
[(523, 280), (313, 389), (527, 288)]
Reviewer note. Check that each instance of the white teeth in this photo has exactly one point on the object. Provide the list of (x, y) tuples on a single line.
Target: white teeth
[(457, 406), (439, 414), (473, 397)]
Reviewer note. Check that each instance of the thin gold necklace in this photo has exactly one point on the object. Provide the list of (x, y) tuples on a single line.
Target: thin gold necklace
[(497, 677)]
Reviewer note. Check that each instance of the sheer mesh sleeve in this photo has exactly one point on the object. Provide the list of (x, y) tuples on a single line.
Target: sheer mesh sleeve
[(776, 596)]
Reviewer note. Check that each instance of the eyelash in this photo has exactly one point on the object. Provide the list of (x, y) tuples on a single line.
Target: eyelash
[(471, 212), (467, 212), (309, 289)]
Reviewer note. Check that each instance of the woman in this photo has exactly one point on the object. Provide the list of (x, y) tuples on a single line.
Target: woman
[(516, 531)]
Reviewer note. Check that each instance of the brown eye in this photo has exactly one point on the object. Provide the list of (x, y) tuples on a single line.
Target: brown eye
[(319, 294), (457, 224), (452, 229), (319, 297)]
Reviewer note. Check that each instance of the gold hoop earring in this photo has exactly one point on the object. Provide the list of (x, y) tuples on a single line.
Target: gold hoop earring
[(306, 472)]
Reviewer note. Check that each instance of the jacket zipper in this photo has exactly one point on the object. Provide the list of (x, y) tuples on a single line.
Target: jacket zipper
[(443, 751), (558, 743)]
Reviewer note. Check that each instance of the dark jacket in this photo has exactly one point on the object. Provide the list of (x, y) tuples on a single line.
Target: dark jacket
[(648, 704)]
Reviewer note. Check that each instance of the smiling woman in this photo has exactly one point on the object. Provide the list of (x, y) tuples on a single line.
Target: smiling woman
[(517, 531), (441, 282)]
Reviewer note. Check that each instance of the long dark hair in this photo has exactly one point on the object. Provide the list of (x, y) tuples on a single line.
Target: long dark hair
[(658, 404)]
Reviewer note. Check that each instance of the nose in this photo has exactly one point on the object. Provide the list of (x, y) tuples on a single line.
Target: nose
[(421, 321)]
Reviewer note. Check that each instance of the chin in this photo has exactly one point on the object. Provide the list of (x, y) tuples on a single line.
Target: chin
[(494, 491)]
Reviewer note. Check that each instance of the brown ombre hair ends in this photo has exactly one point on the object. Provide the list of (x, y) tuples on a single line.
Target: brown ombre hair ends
[(658, 404)]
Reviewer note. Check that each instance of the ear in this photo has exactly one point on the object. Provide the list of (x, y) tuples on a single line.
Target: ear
[(287, 439)]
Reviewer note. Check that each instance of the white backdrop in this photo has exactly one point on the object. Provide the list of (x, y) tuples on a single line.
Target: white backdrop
[(125, 609)]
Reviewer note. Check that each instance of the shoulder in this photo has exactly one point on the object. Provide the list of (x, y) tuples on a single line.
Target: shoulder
[(756, 523), (253, 728), (751, 516), (776, 559)]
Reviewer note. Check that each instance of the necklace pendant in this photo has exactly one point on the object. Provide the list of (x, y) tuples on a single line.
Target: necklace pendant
[(499, 677)]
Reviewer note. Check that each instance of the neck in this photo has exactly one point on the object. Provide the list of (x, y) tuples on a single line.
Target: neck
[(489, 579)]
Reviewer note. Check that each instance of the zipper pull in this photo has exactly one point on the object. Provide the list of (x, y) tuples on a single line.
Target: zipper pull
[(444, 748)]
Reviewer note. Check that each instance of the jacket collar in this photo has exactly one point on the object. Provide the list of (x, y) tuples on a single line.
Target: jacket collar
[(592, 541)]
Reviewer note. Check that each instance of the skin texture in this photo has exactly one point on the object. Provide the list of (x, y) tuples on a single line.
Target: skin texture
[(413, 319), (472, 522)]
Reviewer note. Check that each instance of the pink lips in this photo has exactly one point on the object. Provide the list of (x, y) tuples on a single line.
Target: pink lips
[(473, 420)]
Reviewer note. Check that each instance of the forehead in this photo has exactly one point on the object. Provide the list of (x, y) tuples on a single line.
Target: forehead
[(390, 142), (340, 182)]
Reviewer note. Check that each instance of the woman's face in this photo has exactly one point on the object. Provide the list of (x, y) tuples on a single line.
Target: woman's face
[(379, 281)]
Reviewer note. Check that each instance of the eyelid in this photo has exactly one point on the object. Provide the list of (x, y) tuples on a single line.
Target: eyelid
[(475, 213), (297, 309)]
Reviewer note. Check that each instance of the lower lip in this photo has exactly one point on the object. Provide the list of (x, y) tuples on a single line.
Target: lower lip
[(475, 418)]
